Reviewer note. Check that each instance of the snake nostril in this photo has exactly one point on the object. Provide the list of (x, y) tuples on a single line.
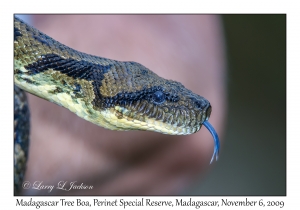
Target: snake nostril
[(200, 104)]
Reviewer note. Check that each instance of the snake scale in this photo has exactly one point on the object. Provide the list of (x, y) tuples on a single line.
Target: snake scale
[(112, 94)]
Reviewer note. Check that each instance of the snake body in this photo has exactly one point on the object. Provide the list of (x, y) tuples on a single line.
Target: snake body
[(112, 94), (21, 136)]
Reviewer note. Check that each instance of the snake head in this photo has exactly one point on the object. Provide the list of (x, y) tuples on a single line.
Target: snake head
[(142, 100)]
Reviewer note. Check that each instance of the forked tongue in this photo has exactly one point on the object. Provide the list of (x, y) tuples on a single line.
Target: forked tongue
[(216, 140)]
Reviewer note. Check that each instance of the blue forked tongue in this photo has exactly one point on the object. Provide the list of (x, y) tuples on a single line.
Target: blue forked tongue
[(216, 139)]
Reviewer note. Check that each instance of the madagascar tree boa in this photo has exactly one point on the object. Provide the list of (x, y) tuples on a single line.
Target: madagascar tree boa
[(112, 94)]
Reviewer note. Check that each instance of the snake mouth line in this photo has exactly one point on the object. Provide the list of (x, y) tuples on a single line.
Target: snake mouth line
[(161, 119)]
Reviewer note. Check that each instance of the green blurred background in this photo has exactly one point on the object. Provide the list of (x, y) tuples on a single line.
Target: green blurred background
[(253, 157)]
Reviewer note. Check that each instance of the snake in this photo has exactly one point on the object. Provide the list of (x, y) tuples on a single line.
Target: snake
[(116, 95)]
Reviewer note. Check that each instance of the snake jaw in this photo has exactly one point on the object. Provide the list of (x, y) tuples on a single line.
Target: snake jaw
[(213, 132)]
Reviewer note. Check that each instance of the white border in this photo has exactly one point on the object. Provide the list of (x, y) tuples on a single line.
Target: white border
[(157, 6)]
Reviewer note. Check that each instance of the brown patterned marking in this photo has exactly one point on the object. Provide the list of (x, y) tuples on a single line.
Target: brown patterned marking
[(104, 84)]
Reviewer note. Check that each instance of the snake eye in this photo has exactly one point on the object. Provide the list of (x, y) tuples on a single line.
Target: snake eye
[(158, 97)]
